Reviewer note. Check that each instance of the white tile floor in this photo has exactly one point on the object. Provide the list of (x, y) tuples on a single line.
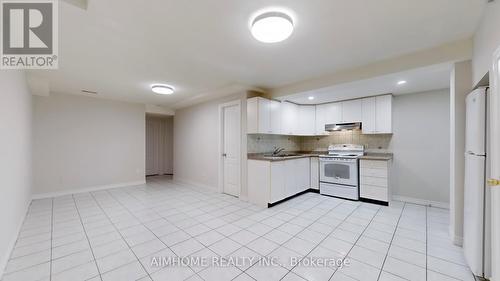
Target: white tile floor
[(115, 234)]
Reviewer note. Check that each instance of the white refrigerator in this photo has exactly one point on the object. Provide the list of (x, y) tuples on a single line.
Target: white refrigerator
[(476, 243)]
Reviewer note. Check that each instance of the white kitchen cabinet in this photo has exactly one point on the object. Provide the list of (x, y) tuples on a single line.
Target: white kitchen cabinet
[(377, 115), (263, 116), (273, 181), (374, 177), (369, 124), (275, 115), (352, 111), (333, 113), (306, 120), (321, 113), (289, 118), (384, 114), (277, 190), (314, 173)]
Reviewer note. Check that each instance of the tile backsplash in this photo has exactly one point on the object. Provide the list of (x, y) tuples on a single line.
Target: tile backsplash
[(258, 143)]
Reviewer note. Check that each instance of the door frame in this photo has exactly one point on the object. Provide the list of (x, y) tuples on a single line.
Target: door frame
[(495, 163), (221, 143)]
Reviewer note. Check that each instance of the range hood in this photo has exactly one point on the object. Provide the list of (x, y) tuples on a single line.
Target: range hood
[(342, 126)]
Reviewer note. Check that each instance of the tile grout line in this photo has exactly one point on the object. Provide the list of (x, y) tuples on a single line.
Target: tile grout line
[(390, 244), (426, 241), (121, 235), (51, 236), (325, 236), (354, 244), (86, 235)]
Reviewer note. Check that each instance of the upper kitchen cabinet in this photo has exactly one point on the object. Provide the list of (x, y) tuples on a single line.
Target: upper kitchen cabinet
[(352, 111), (289, 118), (263, 116), (333, 113), (321, 114), (377, 115), (307, 120)]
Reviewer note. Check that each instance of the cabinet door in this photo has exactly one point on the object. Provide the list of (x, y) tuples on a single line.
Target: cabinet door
[(302, 172), (314, 173), (369, 115), (307, 120), (321, 113), (253, 116), (264, 116), (351, 111), (384, 114), (289, 112), (334, 113), (290, 177), (278, 177), (275, 114)]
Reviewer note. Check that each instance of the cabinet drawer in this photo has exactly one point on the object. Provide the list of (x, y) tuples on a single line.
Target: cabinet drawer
[(382, 182), (373, 164), (372, 172), (374, 192)]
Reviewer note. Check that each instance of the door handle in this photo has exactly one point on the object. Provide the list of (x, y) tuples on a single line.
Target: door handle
[(224, 155), (493, 182)]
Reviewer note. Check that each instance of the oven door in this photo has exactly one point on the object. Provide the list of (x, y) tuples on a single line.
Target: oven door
[(339, 171)]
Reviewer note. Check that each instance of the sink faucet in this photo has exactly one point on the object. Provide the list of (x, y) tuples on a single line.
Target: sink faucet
[(277, 150)]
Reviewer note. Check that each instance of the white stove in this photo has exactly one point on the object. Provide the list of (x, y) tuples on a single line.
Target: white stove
[(339, 171)]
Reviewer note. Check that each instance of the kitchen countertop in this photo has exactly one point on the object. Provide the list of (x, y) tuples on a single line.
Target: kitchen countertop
[(377, 156), (301, 154)]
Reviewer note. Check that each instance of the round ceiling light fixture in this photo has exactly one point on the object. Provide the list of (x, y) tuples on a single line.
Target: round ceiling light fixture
[(272, 27), (402, 82), (162, 89), (311, 98)]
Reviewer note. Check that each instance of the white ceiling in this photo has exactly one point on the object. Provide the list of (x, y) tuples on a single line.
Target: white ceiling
[(417, 80), (204, 48)]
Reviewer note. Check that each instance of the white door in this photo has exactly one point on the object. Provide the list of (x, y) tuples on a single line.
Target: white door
[(474, 212), (475, 123), (495, 166), (231, 154)]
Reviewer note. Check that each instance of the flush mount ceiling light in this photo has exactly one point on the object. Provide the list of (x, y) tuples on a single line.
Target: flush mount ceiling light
[(162, 89), (272, 27), (311, 98), (402, 82)]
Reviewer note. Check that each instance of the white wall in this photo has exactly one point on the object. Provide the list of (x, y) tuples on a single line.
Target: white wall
[(196, 140), (84, 143), (15, 158), (486, 41), (460, 86), (420, 145)]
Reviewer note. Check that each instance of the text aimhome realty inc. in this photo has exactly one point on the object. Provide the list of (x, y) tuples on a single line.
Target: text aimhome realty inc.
[(193, 261)]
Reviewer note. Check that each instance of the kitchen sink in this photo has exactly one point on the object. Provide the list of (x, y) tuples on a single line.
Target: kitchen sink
[(281, 155)]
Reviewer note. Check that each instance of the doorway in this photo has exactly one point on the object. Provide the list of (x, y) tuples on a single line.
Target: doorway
[(230, 148), (159, 145)]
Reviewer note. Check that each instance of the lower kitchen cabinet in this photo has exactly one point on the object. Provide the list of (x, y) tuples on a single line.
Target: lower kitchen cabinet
[(374, 176), (273, 181), (315, 173)]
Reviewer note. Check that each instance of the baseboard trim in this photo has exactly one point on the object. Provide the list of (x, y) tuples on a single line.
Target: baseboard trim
[(86, 189), (424, 202), (5, 259), (194, 184)]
